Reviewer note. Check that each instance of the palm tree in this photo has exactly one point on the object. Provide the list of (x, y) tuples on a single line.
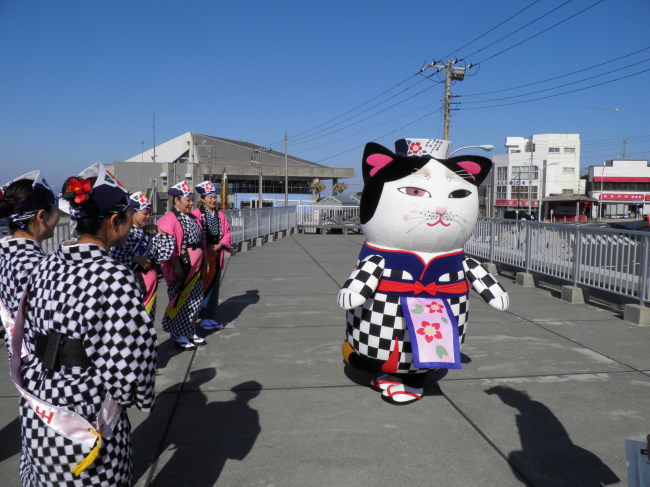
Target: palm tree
[(338, 188), (316, 188)]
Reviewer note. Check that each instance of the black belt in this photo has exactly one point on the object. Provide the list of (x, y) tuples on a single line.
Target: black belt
[(211, 240), (56, 349), (194, 246)]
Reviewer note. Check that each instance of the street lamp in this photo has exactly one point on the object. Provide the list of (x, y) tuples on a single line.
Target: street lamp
[(486, 148), (540, 195)]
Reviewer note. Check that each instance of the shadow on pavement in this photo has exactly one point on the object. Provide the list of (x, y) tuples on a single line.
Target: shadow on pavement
[(231, 308), (201, 439), (10, 442), (548, 456)]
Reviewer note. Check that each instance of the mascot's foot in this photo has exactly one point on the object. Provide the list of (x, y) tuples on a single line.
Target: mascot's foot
[(383, 382), (400, 394)]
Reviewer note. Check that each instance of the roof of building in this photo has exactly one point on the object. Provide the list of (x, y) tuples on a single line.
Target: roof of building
[(339, 199)]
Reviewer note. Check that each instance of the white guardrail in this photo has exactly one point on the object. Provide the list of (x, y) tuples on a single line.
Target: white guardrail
[(244, 225), (602, 258)]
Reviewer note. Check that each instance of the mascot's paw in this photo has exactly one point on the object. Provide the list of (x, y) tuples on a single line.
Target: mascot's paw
[(399, 394), (383, 382), (349, 299), (500, 302)]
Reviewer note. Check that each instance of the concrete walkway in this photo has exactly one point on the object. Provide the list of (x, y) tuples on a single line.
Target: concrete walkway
[(547, 395)]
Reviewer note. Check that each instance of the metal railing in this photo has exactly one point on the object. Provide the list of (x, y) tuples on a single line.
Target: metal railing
[(244, 225), (602, 258), (257, 222), (327, 215)]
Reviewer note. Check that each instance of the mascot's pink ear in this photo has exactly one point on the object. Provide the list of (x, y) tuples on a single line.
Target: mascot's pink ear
[(471, 168), (378, 162)]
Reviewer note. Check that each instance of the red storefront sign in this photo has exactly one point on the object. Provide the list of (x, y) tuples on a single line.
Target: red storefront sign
[(622, 197)]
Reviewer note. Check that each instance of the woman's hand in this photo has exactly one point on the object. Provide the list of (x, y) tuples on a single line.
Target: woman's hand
[(142, 262), (178, 269)]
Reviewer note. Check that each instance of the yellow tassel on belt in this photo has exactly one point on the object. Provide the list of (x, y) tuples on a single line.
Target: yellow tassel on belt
[(83, 464)]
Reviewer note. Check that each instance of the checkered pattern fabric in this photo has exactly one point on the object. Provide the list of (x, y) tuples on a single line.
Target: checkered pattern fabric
[(184, 323), (482, 281), (372, 328), (81, 292), (47, 457), (18, 257), (159, 249), (213, 233)]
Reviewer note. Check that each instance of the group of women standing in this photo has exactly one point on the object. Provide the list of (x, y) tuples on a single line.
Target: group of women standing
[(78, 321)]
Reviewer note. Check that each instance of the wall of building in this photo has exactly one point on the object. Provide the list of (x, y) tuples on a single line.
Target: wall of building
[(621, 186)]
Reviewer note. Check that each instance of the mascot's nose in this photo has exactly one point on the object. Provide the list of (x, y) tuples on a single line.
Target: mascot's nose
[(441, 210)]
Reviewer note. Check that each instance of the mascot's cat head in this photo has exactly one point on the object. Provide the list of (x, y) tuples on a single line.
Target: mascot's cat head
[(419, 203)]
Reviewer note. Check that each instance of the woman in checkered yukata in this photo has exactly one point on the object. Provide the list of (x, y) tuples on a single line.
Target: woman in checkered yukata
[(407, 296), (145, 247), (183, 270), (28, 204), (91, 347), (217, 242)]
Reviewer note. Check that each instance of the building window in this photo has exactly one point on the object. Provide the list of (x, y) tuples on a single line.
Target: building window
[(163, 206), (524, 173), (554, 149), (609, 163), (567, 191), (569, 150), (523, 192), (502, 192), (569, 170), (163, 179), (502, 173)]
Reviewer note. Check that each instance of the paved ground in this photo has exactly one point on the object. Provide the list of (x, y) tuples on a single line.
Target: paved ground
[(547, 395)]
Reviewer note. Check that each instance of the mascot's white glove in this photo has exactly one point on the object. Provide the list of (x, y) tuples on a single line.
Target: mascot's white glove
[(500, 302), (348, 299), (485, 284), (362, 283)]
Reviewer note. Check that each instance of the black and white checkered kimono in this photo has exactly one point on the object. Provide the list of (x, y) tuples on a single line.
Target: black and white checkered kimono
[(184, 323), (18, 257), (83, 293), (157, 248), (373, 327)]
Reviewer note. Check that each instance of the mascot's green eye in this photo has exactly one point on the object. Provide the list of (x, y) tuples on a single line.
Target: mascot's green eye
[(460, 193), (415, 192)]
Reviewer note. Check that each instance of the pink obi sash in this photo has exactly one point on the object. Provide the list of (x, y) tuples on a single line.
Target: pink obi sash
[(150, 278)]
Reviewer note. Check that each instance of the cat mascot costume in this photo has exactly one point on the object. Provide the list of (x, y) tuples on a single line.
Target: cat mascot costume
[(407, 296)]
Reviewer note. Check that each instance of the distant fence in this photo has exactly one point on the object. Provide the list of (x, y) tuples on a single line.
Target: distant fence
[(602, 258), (244, 225), (311, 218)]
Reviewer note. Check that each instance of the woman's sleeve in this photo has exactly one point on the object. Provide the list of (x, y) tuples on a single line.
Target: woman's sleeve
[(225, 230), (164, 247), (123, 341), (170, 226), (124, 254)]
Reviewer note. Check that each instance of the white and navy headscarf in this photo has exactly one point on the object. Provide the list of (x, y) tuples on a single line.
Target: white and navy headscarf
[(41, 198), (139, 202)]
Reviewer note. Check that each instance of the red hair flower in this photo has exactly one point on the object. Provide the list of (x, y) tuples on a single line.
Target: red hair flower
[(80, 189)]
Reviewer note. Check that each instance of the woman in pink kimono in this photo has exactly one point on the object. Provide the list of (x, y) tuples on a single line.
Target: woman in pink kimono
[(217, 240), (182, 271)]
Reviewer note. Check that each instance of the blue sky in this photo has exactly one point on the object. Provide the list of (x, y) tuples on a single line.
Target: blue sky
[(82, 80)]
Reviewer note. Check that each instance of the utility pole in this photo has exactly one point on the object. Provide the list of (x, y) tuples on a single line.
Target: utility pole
[(452, 73), (530, 147), (624, 143), (286, 173)]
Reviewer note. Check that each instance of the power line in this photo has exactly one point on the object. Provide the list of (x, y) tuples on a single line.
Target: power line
[(539, 33), (520, 28), (564, 93), (556, 87), (487, 32), (561, 76)]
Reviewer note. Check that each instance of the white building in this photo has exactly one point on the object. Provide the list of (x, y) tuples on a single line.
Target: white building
[(534, 168), (622, 187)]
